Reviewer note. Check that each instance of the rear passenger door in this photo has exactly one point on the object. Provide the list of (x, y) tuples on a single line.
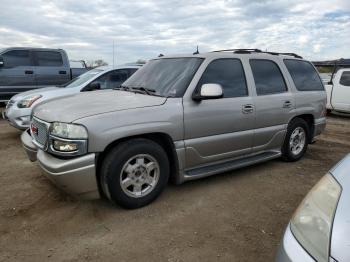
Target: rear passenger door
[(17, 74), (220, 129), (50, 69), (274, 104)]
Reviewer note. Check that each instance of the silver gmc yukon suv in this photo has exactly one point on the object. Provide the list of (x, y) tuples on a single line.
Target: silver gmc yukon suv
[(178, 118)]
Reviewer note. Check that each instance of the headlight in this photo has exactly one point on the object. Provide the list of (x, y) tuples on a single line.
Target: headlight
[(28, 101), (312, 222), (71, 131), (68, 139)]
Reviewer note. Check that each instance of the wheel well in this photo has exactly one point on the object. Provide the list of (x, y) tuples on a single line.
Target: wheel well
[(310, 120), (164, 140)]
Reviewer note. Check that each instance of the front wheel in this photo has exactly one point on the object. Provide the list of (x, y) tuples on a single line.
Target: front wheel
[(296, 140), (135, 172)]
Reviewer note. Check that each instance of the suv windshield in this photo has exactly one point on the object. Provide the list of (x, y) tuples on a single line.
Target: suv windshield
[(82, 78), (167, 77)]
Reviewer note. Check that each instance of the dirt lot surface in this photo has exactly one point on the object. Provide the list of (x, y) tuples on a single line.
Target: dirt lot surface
[(237, 216)]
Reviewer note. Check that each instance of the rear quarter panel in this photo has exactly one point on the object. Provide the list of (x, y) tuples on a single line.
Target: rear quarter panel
[(311, 102)]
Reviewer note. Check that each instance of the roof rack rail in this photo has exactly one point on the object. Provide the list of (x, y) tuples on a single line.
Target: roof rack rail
[(289, 54), (254, 50), (240, 50)]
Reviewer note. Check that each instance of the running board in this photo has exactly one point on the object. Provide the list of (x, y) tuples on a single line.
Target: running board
[(222, 167)]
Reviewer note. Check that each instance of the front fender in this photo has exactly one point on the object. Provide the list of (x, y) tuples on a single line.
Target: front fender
[(105, 128)]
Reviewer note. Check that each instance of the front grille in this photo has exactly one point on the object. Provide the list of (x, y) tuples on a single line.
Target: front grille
[(39, 131)]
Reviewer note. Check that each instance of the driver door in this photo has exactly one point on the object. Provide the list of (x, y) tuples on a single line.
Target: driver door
[(220, 129)]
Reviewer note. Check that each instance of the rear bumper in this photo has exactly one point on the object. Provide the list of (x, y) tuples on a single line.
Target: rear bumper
[(75, 176), (319, 126), (290, 250)]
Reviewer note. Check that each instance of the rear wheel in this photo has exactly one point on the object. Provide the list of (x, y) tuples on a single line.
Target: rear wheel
[(135, 172), (296, 140)]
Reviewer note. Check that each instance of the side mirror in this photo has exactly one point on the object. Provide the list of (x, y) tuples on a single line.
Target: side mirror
[(209, 91), (93, 86), (1, 62)]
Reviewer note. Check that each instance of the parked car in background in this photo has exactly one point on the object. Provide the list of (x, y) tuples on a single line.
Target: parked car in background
[(19, 109), (23, 69), (320, 229), (338, 91), (183, 117), (326, 77)]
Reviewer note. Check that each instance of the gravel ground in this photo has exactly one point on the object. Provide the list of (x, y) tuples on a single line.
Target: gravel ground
[(236, 216)]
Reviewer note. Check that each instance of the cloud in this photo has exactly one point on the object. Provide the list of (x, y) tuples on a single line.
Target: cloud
[(143, 29)]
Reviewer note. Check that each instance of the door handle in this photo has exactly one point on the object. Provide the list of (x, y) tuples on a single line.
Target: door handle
[(248, 109), (28, 72), (287, 104), (62, 72)]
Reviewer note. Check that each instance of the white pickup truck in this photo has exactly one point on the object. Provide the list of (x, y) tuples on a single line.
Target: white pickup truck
[(338, 91)]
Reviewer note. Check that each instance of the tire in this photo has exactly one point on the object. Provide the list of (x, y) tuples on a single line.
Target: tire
[(298, 134), (136, 172)]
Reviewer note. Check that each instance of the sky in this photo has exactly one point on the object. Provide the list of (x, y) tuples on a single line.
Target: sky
[(317, 30)]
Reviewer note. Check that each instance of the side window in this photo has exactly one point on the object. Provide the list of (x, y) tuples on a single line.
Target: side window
[(112, 79), (345, 79), (16, 58), (304, 75), (132, 71), (267, 77), (229, 73), (48, 58), (116, 78)]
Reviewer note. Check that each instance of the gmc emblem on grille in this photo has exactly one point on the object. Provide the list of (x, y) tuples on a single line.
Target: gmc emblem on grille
[(34, 129)]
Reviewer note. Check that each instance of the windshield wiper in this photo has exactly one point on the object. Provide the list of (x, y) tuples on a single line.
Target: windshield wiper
[(124, 88), (139, 89), (148, 91)]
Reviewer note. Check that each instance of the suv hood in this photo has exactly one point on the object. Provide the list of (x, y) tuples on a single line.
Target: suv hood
[(69, 109)]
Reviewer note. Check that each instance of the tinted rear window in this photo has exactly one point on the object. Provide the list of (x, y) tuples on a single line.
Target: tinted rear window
[(267, 77), (345, 79), (49, 58), (304, 75), (16, 58)]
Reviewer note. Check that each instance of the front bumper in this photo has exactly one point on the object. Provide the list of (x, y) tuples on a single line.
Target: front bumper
[(17, 117), (29, 146), (76, 176), (290, 250)]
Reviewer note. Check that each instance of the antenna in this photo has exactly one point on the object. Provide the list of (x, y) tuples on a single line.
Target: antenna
[(197, 51), (113, 53)]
